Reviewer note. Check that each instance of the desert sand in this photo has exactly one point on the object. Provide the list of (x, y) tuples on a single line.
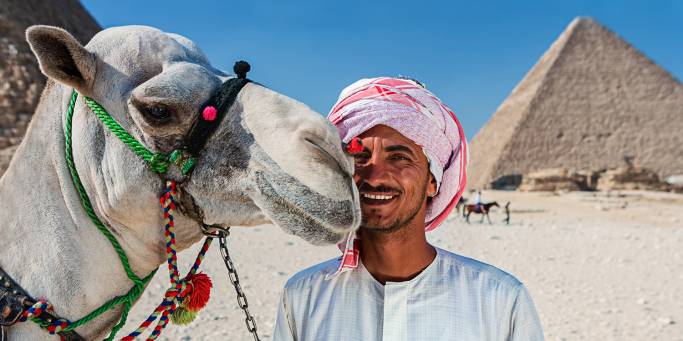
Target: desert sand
[(599, 266)]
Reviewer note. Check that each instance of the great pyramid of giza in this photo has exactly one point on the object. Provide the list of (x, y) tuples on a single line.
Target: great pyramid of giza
[(591, 101), (20, 79)]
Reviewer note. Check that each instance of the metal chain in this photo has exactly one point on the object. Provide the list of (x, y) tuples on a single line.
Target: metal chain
[(223, 234)]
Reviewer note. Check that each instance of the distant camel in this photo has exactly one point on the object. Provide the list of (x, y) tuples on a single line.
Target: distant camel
[(483, 210)]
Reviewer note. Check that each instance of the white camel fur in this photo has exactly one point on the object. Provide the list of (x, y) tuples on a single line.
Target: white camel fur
[(272, 159)]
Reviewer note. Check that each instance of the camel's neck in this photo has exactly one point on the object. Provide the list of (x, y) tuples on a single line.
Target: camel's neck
[(47, 243)]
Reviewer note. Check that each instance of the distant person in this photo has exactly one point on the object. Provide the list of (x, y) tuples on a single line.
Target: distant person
[(507, 213), (477, 203), (391, 284), (462, 203)]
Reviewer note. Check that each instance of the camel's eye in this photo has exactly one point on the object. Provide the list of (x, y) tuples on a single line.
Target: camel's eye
[(157, 113), (154, 113)]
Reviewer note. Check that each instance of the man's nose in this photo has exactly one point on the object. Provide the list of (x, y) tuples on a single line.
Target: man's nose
[(373, 172)]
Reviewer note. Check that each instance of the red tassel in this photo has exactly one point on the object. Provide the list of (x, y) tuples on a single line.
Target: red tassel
[(355, 146), (201, 292)]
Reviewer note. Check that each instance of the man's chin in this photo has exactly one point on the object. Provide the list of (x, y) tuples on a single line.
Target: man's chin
[(374, 221), (371, 227)]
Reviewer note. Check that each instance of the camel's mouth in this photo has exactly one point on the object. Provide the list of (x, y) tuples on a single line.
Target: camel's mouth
[(302, 211)]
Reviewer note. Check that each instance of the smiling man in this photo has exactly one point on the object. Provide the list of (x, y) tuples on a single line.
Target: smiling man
[(390, 283)]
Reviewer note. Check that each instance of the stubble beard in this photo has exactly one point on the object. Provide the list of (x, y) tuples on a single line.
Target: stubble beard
[(400, 222)]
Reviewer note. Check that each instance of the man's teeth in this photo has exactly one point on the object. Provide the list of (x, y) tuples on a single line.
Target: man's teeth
[(379, 197)]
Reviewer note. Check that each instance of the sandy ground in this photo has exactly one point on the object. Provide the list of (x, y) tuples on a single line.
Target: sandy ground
[(599, 266)]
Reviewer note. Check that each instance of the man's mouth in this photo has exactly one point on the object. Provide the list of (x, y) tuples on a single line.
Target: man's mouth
[(377, 199)]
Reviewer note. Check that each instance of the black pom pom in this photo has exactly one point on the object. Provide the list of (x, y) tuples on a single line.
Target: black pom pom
[(241, 68)]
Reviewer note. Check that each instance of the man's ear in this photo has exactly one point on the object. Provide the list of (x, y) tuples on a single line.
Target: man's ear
[(62, 58), (431, 186)]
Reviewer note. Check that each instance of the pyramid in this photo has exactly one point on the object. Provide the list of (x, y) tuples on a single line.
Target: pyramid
[(20, 79), (591, 101)]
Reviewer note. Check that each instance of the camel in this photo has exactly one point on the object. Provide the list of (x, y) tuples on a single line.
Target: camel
[(271, 159)]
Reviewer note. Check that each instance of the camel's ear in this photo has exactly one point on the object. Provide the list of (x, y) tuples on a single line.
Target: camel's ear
[(62, 57)]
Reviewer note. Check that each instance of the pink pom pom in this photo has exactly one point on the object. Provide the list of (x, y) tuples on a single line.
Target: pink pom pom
[(209, 113)]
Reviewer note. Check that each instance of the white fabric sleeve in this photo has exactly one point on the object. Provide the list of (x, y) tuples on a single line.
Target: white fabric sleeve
[(285, 330), (525, 324)]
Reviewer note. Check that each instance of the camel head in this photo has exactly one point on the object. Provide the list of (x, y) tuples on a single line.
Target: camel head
[(271, 158)]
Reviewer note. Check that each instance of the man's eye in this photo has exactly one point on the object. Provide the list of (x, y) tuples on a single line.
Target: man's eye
[(361, 157), (398, 157)]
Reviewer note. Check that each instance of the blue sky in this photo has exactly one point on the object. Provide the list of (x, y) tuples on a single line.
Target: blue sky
[(470, 54)]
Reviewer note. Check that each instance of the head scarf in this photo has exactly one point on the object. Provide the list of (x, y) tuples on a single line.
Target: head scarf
[(409, 108)]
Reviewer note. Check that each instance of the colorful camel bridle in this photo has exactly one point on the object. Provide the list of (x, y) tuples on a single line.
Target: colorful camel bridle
[(186, 295)]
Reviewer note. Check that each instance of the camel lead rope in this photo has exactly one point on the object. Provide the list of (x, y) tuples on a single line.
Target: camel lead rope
[(190, 294), (187, 295)]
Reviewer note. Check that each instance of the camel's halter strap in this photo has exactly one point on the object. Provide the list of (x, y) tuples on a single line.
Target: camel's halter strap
[(186, 295)]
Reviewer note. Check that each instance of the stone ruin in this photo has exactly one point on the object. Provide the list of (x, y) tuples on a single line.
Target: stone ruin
[(627, 177)]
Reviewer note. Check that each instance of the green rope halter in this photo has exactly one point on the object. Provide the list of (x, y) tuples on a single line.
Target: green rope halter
[(158, 163)]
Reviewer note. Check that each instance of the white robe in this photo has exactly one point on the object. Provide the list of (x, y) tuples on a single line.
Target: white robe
[(454, 298)]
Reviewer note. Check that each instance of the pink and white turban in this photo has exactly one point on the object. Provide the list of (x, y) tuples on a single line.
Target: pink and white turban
[(409, 108)]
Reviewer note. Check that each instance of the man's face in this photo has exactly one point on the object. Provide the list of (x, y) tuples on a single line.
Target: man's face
[(392, 175)]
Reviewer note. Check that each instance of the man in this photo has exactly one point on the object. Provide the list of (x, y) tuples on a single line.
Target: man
[(390, 283), (477, 203), (507, 213)]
